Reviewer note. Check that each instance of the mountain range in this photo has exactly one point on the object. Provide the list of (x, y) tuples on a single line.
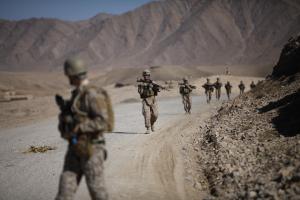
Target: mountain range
[(169, 32)]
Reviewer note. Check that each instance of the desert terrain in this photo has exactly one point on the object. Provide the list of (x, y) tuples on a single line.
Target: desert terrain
[(43, 88), (243, 148), (161, 165), (139, 166)]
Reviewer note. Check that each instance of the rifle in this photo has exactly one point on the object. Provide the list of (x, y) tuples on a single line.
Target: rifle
[(67, 122), (191, 86), (208, 87), (156, 87)]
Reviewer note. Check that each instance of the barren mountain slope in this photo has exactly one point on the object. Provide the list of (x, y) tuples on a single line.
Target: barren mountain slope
[(30, 44), (170, 32)]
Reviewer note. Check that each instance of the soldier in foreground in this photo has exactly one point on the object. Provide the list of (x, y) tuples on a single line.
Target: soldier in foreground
[(82, 121), (242, 87), (209, 89), (218, 86), (228, 87), (148, 91), (252, 85), (185, 90)]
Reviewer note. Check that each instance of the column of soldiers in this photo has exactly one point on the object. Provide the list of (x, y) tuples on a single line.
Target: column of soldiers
[(210, 87), (88, 114)]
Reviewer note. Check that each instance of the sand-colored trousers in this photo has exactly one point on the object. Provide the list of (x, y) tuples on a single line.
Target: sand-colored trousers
[(187, 102), (150, 111), (75, 167)]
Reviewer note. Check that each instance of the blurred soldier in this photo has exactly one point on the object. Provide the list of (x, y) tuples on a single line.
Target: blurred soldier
[(82, 121), (252, 85), (227, 71), (228, 87), (185, 90), (218, 86), (148, 91), (242, 87), (209, 89)]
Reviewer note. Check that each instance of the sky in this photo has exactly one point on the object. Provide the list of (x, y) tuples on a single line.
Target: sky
[(71, 10)]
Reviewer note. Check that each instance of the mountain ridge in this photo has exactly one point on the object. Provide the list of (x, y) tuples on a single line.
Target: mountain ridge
[(170, 32)]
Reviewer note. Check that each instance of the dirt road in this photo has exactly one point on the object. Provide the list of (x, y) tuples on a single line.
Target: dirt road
[(139, 166)]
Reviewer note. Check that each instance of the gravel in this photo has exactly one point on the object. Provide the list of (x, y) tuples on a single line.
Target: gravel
[(246, 149)]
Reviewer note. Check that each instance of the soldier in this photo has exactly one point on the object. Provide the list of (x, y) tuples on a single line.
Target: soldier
[(209, 88), (148, 91), (185, 89), (228, 87), (227, 71), (241, 87), (218, 86), (82, 121), (252, 85)]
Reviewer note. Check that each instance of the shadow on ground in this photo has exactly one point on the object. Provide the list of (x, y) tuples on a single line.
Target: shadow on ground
[(131, 133), (287, 122)]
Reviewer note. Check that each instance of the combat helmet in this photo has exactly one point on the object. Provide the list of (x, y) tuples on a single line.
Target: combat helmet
[(184, 79), (146, 72), (74, 67)]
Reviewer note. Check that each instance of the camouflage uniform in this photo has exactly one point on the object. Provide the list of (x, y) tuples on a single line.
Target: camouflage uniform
[(209, 88), (148, 90), (185, 90), (150, 111), (218, 86), (92, 115), (242, 87), (228, 87)]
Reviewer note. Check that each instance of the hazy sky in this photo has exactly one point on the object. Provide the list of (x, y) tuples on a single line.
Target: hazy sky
[(64, 9)]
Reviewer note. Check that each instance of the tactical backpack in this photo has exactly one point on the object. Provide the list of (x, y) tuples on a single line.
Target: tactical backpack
[(82, 143), (105, 103)]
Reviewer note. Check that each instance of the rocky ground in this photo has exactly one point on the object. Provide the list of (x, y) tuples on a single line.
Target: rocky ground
[(250, 148)]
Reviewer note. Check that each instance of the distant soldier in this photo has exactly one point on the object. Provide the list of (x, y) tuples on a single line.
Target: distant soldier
[(218, 86), (252, 85), (82, 121), (209, 89), (228, 87), (148, 91), (185, 90), (242, 87), (227, 71)]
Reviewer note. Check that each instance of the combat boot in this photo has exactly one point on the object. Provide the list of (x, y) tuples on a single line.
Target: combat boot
[(147, 131), (152, 128)]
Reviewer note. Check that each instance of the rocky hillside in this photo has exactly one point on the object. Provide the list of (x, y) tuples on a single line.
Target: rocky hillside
[(251, 148), (170, 32)]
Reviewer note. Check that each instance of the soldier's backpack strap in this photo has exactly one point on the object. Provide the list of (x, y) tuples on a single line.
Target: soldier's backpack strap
[(106, 105), (109, 110)]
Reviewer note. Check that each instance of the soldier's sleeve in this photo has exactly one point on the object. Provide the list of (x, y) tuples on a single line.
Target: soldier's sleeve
[(96, 121), (140, 88), (190, 87)]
